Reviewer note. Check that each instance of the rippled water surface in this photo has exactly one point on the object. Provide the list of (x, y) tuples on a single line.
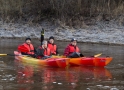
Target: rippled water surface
[(21, 76)]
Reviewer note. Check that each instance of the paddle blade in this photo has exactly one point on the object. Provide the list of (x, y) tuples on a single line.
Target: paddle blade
[(97, 55), (22, 48), (42, 35), (3, 54)]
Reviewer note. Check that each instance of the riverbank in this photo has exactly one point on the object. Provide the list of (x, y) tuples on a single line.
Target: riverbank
[(101, 32)]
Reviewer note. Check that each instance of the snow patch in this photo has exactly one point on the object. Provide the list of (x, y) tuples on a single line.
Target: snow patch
[(105, 33)]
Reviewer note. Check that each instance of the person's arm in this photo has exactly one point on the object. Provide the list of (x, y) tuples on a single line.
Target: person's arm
[(57, 51), (24, 53), (40, 52), (66, 52), (35, 51)]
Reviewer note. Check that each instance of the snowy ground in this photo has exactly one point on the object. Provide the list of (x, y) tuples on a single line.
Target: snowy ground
[(100, 33)]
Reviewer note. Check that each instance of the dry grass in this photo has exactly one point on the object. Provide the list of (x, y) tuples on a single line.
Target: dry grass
[(70, 12)]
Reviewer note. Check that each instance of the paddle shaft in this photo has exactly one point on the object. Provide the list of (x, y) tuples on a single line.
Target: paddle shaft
[(97, 55), (42, 36), (12, 55)]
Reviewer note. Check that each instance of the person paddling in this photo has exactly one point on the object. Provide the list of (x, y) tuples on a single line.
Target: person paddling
[(52, 46), (43, 51), (27, 48), (72, 50)]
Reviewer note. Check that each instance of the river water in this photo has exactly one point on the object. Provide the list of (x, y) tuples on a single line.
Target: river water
[(18, 76)]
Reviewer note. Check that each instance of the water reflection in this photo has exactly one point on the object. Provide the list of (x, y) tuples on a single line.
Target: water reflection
[(20, 76), (53, 78)]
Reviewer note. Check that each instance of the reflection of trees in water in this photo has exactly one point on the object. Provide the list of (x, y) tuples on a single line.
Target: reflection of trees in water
[(95, 73), (89, 76)]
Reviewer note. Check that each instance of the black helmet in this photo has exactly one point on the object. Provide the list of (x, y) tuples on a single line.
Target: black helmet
[(73, 39), (51, 37), (28, 38)]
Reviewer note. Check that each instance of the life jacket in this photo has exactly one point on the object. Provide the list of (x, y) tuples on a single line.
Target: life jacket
[(70, 49), (73, 49), (53, 48), (26, 48), (47, 52)]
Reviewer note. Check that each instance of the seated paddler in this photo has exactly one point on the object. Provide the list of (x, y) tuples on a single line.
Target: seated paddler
[(43, 51), (52, 46), (27, 48), (72, 50)]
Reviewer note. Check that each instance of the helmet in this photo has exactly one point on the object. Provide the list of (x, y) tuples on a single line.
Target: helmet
[(28, 38), (73, 39), (51, 37)]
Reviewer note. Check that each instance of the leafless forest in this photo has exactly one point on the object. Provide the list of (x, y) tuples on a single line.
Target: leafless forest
[(70, 12)]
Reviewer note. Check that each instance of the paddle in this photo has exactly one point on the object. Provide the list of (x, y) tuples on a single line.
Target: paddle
[(22, 48), (12, 55), (55, 56), (42, 36), (97, 55)]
